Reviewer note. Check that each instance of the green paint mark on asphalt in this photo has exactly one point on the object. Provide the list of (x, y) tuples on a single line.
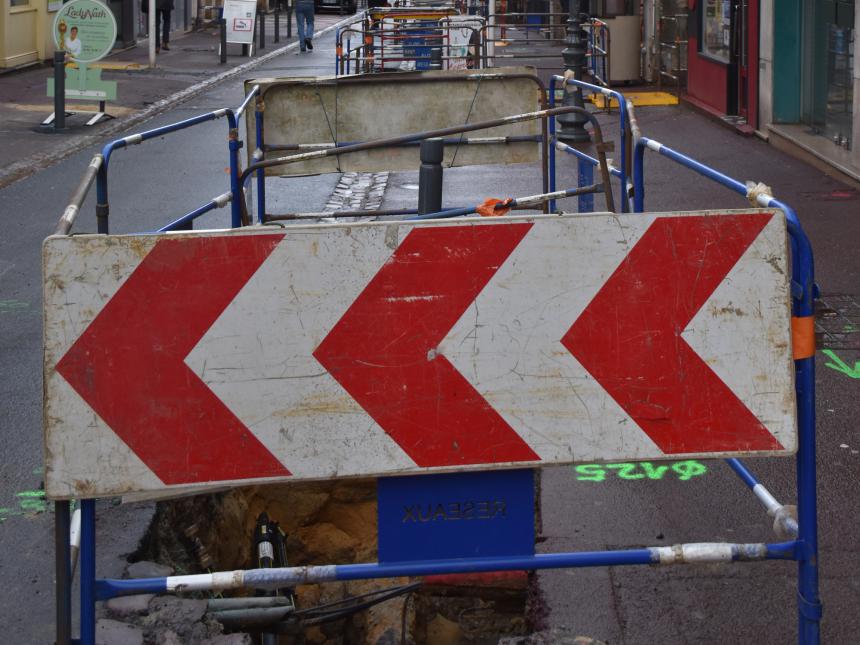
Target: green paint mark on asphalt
[(682, 470), (31, 493), (841, 366), (30, 502), (13, 305)]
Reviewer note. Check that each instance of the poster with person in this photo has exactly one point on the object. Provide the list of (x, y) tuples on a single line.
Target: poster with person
[(85, 30)]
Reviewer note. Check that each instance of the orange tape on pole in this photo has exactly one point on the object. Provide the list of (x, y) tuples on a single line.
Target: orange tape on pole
[(493, 207), (803, 336)]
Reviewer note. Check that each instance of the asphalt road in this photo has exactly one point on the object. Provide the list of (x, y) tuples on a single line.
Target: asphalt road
[(155, 182)]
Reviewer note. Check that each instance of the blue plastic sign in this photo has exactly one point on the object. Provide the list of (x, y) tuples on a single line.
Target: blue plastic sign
[(457, 515)]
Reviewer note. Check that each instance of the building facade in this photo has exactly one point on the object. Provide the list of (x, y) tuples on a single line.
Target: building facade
[(810, 80), (722, 59)]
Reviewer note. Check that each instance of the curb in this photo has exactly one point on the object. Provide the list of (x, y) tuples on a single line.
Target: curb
[(40, 161)]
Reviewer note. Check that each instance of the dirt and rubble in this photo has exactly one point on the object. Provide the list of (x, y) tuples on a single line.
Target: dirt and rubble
[(325, 522)]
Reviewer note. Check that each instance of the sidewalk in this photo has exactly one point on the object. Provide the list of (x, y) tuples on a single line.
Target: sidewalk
[(191, 65)]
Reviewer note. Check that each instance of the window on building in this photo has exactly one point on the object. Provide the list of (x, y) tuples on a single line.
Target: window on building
[(19, 3), (828, 94), (716, 29)]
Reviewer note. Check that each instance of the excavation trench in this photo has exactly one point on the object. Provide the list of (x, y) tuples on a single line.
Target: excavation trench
[(336, 523)]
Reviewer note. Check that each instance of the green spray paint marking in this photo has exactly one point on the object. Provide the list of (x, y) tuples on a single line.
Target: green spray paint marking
[(13, 305), (29, 502), (681, 470), (841, 366)]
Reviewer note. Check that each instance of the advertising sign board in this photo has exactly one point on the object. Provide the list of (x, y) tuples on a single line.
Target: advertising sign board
[(240, 16), (85, 29)]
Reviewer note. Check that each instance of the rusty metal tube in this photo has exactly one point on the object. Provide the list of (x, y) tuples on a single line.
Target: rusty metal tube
[(600, 146), (67, 219), (405, 138)]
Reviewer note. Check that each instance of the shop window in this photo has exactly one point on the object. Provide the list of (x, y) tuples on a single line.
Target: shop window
[(19, 3), (828, 101), (716, 29)]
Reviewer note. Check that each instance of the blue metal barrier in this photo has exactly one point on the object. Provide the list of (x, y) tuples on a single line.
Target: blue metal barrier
[(803, 547), (803, 295), (234, 144), (554, 143)]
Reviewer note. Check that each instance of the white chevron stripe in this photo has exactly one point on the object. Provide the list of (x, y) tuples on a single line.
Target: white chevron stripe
[(734, 332), (257, 357), (508, 342)]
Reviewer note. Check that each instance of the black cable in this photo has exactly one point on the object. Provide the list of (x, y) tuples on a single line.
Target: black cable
[(384, 594), (339, 609)]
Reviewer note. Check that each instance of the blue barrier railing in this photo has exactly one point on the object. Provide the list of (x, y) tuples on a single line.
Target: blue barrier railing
[(803, 291), (803, 548), (234, 145), (621, 171)]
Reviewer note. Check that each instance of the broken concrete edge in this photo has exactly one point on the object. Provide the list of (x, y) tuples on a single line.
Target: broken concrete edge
[(25, 167)]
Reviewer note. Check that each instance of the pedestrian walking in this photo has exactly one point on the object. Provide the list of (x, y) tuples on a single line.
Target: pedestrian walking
[(163, 8), (305, 23)]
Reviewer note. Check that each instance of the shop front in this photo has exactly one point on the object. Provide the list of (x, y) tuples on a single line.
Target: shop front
[(816, 79), (25, 36), (722, 59), (25, 29)]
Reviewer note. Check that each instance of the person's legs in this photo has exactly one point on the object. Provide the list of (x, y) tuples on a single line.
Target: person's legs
[(158, 13), (305, 22), (165, 16), (309, 31), (300, 25)]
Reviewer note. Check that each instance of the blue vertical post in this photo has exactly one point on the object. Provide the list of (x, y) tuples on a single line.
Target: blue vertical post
[(261, 174), (102, 207), (639, 177), (809, 605), (585, 172), (551, 146), (236, 194), (88, 572), (808, 601)]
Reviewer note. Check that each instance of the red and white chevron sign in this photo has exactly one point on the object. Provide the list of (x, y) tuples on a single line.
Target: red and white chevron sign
[(337, 350)]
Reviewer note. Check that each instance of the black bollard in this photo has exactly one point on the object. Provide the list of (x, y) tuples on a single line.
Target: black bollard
[(261, 19), (430, 176), (289, 18), (62, 555), (223, 41), (59, 90), (572, 126), (277, 22), (436, 58)]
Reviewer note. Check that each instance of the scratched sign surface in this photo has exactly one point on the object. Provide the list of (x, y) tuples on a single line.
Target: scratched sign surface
[(366, 349)]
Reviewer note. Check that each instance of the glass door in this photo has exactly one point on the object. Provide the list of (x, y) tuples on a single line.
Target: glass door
[(828, 104)]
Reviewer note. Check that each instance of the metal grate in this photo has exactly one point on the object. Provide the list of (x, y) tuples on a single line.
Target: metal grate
[(837, 322)]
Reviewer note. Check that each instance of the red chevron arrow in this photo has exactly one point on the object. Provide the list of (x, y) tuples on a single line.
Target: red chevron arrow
[(383, 351), (629, 336), (129, 363)]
